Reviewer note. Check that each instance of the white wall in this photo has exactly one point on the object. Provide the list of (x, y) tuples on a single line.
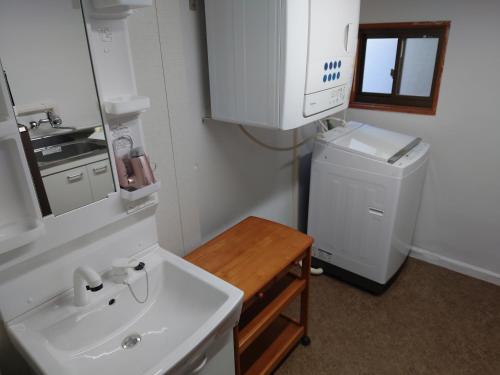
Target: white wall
[(215, 174), (459, 220)]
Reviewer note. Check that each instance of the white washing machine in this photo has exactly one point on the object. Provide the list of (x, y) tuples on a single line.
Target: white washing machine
[(366, 185)]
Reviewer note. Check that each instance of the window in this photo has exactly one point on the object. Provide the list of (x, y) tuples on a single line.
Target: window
[(399, 66)]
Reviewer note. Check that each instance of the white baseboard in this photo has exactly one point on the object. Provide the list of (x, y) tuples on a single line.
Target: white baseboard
[(455, 265)]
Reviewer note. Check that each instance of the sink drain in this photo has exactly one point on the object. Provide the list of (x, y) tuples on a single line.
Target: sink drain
[(130, 341)]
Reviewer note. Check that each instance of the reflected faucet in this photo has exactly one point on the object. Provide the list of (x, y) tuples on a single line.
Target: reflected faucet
[(53, 119)]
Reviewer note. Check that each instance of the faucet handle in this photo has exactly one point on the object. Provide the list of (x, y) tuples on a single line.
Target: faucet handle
[(94, 289), (124, 263), (55, 120)]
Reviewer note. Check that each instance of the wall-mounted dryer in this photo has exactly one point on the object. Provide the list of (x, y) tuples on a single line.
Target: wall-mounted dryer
[(280, 63)]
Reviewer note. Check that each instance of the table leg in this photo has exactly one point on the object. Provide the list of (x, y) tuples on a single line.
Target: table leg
[(304, 298)]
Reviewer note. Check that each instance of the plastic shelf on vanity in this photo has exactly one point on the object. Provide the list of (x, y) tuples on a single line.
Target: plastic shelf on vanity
[(117, 9), (19, 233), (129, 4), (126, 105), (140, 193)]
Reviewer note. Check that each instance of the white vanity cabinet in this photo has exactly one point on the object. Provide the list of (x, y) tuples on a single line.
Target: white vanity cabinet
[(218, 359), (72, 188), (222, 361), (101, 179)]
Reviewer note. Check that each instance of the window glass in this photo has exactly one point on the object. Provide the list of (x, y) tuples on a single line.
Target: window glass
[(419, 61), (399, 66), (380, 59)]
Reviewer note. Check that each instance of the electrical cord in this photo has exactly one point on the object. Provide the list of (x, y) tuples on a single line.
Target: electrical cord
[(147, 289), (342, 121), (275, 148), (324, 127)]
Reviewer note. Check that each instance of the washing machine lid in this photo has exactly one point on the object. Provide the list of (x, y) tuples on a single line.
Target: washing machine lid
[(376, 143)]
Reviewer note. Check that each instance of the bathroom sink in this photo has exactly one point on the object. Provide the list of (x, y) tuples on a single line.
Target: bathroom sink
[(186, 310), (60, 153)]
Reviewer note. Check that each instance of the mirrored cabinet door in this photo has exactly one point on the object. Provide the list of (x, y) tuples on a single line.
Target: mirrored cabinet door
[(46, 62)]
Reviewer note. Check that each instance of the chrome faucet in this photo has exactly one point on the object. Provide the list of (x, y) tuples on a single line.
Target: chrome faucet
[(81, 277), (53, 119)]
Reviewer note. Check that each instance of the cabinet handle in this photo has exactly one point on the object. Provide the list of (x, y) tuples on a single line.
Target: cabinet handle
[(75, 178), (100, 170), (200, 366), (347, 32)]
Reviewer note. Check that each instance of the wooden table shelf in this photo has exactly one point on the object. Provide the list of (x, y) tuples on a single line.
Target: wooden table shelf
[(260, 257), (269, 312), (271, 346)]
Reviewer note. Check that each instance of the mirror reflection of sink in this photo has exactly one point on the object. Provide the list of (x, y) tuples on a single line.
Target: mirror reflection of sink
[(187, 309), (61, 153)]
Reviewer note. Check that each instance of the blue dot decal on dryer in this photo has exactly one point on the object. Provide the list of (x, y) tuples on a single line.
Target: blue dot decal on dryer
[(340, 63), (329, 77), (325, 66), (325, 77), (331, 65), (338, 75), (333, 77), (335, 65)]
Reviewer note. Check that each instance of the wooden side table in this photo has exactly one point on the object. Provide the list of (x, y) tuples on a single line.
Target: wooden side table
[(261, 258)]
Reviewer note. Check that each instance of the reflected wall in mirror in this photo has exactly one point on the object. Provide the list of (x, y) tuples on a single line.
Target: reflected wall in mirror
[(45, 55)]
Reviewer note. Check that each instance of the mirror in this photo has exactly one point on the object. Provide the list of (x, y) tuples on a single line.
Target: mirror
[(45, 55)]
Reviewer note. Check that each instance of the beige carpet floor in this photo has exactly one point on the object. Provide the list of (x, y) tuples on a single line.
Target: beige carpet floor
[(431, 321)]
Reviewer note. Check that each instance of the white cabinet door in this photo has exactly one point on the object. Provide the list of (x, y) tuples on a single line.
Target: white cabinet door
[(101, 179), (220, 358), (68, 190)]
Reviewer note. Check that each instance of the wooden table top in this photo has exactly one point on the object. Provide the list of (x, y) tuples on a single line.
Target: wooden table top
[(250, 254)]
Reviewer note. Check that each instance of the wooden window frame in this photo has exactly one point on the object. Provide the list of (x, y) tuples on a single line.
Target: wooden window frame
[(392, 102)]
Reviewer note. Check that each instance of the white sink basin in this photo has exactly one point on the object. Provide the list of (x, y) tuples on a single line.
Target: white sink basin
[(186, 311)]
